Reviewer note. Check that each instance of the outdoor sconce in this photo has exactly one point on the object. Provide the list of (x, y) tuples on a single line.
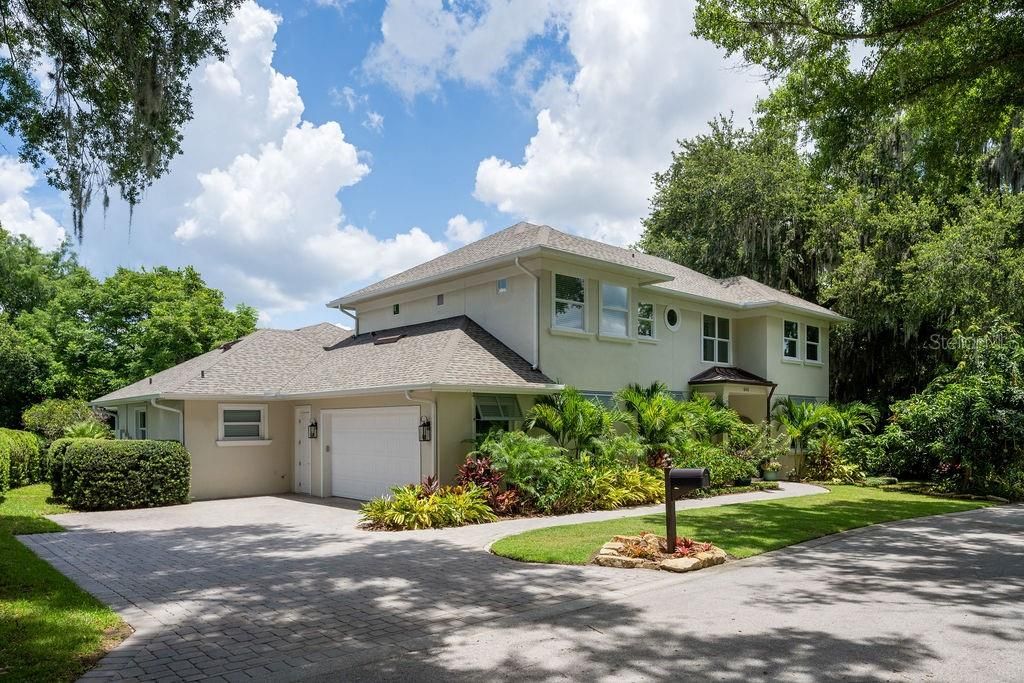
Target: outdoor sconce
[(311, 431), (425, 429)]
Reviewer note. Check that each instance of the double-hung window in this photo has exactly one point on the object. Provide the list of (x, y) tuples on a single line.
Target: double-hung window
[(812, 352), (243, 422), (790, 340), (645, 320), (614, 310), (570, 302), (496, 412), (715, 346), (141, 430)]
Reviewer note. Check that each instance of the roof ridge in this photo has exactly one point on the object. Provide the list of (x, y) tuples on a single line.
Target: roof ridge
[(243, 341), (445, 358)]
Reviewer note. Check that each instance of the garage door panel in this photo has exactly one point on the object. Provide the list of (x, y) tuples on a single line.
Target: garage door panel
[(373, 449)]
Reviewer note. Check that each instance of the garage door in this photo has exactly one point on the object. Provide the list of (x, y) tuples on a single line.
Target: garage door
[(373, 449)]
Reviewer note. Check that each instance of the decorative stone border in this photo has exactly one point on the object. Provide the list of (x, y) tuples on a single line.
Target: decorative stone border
[(653, 555)]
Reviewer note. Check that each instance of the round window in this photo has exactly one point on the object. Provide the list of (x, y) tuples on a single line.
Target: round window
[(672, 318)]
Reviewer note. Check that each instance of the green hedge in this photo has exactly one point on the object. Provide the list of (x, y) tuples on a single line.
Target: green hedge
[(21, 461), (55, 465), (95, 474)]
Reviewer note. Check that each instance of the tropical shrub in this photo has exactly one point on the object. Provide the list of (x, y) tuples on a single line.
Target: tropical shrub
[(726, 469), (88, 429), (825, 462), (97, 474), (22, 456), (574, 422), (967, 427), (419, 507), (762, 446), (657, 419), (52, 417), (529, 464)]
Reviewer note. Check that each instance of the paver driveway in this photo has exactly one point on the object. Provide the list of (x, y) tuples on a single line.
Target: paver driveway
[(286, 589)]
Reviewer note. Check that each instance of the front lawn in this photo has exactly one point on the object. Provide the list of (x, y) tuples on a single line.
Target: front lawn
[(50, 629), (741, 530)]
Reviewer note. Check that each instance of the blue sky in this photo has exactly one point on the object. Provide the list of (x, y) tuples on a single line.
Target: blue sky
[(343, 141)]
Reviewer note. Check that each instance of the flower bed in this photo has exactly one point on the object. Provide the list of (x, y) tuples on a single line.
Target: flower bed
[(648, 551)]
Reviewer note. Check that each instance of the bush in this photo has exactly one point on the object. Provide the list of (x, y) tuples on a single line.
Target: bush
[(118, 475), (22, 458), (5, 471), (825, 462), (53, 416), (54, 464), (88, 429), (726, 469), (425, 507)]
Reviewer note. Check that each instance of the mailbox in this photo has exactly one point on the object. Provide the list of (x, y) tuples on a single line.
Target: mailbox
[(686, 480), (679, 482)]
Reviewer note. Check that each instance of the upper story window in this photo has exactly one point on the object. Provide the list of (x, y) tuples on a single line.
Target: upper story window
[(645, 320), (502, 285), (496, 412), (715, 347), (395, 308), (242, 422), (672, 318), (614, 310), (812, 348), (790, 339), (440, 299), (570, 301)]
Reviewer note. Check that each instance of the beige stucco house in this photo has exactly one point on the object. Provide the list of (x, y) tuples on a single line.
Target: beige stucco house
[(454, 346)]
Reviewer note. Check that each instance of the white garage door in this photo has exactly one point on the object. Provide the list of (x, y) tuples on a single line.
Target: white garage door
[(373, 449)]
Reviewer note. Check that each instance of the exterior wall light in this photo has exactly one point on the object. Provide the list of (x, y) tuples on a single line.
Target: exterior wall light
[(311, 431), (425, 429)]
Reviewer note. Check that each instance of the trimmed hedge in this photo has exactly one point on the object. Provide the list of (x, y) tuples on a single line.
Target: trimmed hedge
[(55, 465), (21, 461), (95, 474)]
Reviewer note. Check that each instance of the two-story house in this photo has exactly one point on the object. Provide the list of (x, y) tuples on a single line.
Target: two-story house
[(455, 346)]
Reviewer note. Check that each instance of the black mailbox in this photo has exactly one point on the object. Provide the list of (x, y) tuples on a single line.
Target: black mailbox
[(686, 480)]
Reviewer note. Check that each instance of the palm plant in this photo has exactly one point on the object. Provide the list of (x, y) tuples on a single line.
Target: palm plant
[(88, 429), (657, 418), (573, 421), (851, 419), (801, 420)]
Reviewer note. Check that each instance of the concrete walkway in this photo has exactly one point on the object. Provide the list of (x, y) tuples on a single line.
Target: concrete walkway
[(283, 588)]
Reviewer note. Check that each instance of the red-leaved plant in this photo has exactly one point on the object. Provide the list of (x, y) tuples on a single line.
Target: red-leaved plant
[(685, 547)]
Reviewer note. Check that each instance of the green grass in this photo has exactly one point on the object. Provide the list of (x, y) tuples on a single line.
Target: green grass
[(741, 530), (50, 629)]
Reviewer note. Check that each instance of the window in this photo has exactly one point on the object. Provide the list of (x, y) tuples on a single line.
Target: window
[(440, 299), (140, 423), (496, 412), (790, 339), (614, 310), (812, 352), (395, 309), (671, 318), (502, 285), (716, 339), (243, 423), (570, 302), (645, 320)]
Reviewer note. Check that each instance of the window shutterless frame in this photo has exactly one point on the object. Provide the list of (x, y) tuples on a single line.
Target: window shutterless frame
[(716, 339), (241, 422), (645, 320), (812, 347), (614, 310), (790, 340), (569, 295)]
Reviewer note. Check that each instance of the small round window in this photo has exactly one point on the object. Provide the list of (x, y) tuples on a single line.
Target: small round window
[(672, 318)]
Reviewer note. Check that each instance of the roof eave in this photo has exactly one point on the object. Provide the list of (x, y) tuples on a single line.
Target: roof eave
[(645, 275)]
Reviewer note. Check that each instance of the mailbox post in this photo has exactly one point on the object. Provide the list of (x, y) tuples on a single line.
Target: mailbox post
[(679, 482)]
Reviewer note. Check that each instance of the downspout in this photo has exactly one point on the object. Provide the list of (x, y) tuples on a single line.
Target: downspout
[(536, 312), (433, 425), (355, 319), (181, 418)]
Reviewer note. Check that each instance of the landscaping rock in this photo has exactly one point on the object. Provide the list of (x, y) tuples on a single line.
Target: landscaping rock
[(681, 564), (619, 561)]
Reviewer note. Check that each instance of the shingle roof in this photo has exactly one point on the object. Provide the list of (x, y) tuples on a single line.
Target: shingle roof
[(324, 358), (722, 375), (523, 237), (453, 351), (253, 365)]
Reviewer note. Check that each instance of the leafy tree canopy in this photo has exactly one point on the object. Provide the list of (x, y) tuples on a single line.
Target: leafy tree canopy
[(952, 70), (116, 95)]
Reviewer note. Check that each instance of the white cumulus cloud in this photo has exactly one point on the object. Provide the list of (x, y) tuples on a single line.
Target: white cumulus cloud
[(17, 215), (461, 230)]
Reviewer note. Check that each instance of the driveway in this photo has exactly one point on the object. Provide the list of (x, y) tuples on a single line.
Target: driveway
[(284, 588)]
